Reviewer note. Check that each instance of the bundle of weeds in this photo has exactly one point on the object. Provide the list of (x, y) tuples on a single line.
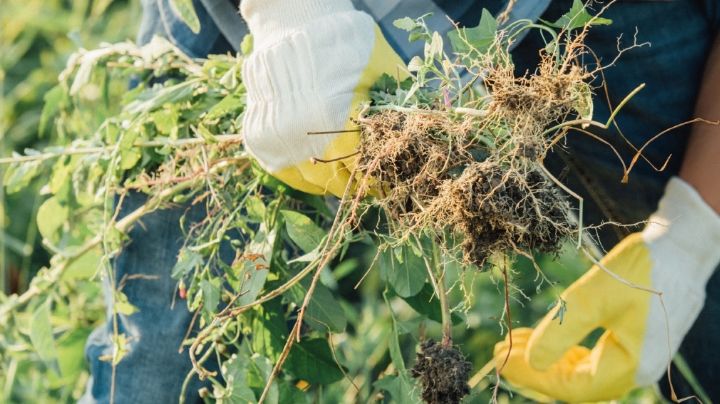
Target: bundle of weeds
[(475, 167), (458, 148)]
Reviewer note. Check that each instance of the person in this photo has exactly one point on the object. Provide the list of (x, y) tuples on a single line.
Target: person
[(313, 62)]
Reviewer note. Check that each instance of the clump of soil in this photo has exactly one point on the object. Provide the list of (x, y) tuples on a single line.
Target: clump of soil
[(443, 373), (499, 209)]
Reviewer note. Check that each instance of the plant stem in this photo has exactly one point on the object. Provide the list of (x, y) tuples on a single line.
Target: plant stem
[(439, 286), (227, 138), (123, 226)]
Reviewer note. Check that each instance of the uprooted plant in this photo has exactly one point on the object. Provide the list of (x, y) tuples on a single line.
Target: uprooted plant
[(451, 157), (456, 151)]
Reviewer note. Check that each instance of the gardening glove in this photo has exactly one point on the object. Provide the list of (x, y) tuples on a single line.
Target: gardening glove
[(674, 255), (313, 63)]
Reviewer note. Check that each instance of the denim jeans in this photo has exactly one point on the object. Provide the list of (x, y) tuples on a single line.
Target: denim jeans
[(681, 33), (153, 371)]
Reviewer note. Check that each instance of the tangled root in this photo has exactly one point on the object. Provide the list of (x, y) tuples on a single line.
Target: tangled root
[(443, 373), (498, 209), (435, 175), (412, 154)]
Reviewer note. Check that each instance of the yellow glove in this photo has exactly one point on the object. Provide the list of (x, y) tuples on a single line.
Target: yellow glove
[(675, 254), (313, 62)]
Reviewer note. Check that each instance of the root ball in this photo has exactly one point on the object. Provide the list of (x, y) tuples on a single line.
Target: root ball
[(500, 209), (443, 373)]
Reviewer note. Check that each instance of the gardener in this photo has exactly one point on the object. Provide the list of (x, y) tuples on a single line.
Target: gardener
[(313, 63)]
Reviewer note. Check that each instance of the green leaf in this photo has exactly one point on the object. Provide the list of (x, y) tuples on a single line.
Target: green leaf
[(166, 120), (84, 266), (129, 154), (205, 133), (312, 360), (232, 104), (255, 208), (52, 102), (259, 369), (121, 347), (50, 217), (291, 394), (578, 17), (158, 96), (405, 271), (478, 38), (415, 64), (324, 312), (401, 389), (17, 177), (188, 261), (235, 373), (269, 330), (302, 230), (434, 49), (246, 45), (394, 342), (61, 174), (211, 294), (41, 335), (186, 11), (385, 84), (255, 273), (70, 352), (427, 304), (122, 305), (405, 24)]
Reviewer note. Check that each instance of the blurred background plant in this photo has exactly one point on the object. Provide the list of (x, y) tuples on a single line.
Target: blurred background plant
[(36, 38)]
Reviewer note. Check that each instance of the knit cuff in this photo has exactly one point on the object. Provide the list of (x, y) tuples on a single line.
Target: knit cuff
[(269, 19)]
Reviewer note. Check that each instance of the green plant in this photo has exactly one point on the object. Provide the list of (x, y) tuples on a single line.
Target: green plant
[(382, 279)]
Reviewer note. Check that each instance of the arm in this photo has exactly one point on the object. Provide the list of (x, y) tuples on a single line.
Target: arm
[(701, 166)]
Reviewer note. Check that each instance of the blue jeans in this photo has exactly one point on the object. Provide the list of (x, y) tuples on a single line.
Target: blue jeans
[(153, 371), (671, 68)]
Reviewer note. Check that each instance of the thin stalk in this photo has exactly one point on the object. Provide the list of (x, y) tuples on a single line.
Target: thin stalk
[(123, 225), (438, 284), (227, 138)]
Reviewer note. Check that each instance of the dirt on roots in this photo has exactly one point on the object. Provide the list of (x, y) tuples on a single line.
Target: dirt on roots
[(434, 175), (443, 372)]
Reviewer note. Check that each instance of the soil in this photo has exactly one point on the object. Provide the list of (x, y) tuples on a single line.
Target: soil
[(443, 372)]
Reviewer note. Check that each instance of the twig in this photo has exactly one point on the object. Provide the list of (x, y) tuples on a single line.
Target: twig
[(227, 138)]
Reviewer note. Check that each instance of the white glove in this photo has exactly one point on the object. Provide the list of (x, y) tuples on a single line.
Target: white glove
[(313, 62)]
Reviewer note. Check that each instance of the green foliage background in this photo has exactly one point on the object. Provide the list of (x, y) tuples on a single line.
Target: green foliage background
[(36, 38)]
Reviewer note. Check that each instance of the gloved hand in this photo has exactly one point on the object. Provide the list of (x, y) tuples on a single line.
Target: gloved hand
[(313, 63), (675, 254)]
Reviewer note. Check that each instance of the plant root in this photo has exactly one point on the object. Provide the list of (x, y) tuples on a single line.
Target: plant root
[(443, 372)]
